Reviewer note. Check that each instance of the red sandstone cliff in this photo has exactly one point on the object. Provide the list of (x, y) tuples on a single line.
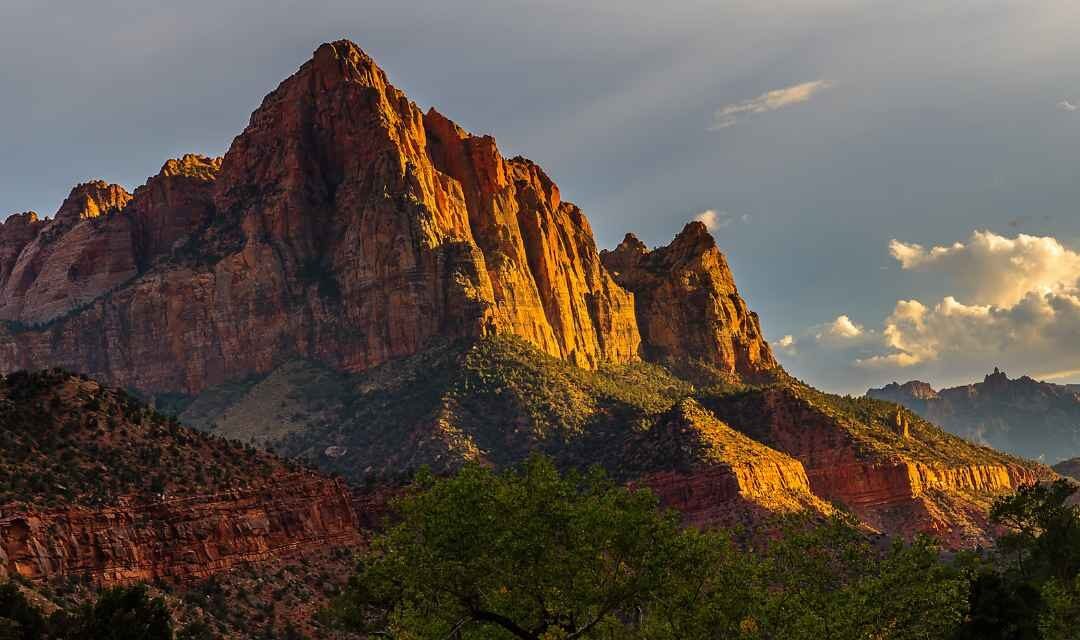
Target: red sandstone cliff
[(343, 225), (718, 476)]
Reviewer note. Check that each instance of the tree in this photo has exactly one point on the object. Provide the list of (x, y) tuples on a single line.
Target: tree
[(830, 582), (526, 554), (19, 620), (1043, 531), (122, 613)]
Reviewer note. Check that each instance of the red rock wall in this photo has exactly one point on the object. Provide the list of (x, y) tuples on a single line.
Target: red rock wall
[(178, 538)]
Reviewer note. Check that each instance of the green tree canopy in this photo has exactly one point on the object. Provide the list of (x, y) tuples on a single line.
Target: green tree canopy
[(529, 554)]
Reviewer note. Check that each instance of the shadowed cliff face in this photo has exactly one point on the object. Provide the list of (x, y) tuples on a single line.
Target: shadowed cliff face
[(179, 538)]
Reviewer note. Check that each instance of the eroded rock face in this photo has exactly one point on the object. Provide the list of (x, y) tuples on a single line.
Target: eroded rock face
[(343, 225), (17, 231), (172, 206), (687, 303), (178, 538)]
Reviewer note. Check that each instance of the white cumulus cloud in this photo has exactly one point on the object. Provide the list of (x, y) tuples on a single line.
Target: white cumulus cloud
[(993, 269), (1066, 105), (730, 114)]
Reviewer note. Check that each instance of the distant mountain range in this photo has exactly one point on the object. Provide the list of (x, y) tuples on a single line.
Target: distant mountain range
[(1024, 416)]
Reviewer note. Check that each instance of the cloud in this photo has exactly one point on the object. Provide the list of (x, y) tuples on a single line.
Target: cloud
[(993, 269), (714, 220), (729, 115), (1017, 304), (842, 328), (787, 342), (1066, 105)]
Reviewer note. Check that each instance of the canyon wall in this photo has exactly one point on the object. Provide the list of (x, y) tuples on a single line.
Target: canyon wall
[(179, 538), (343, 225)]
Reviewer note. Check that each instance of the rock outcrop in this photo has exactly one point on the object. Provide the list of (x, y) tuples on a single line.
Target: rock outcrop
[(179, 538), (687, 305), (83, 252), (1023, 416), (16, 231), (172, 206), (910, 480), (720, 477)]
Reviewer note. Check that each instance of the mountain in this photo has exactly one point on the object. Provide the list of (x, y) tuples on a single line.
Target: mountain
[(372, 289), (343, 225), (1024, 416)]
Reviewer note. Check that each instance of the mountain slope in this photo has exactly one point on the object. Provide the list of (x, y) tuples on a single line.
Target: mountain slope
[(721, 452), (1024, 416), (94, 485), (97, 490)]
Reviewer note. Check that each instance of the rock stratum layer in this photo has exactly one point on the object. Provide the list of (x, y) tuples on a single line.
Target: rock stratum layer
[(180, 538), (895, 471), (346, 226)]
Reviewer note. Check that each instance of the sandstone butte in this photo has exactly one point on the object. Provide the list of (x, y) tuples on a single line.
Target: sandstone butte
[(346, 226)]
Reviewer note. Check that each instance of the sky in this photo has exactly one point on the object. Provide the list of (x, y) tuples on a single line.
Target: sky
[(894, 184)]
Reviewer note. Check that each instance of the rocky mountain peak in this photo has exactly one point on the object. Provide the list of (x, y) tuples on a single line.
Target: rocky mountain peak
[(192, 165), (92, 199), (687, 304)]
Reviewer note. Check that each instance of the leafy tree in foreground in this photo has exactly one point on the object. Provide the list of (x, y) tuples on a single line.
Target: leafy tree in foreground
[(829, 582), (1040, 585), (531, 555), (19, 620)]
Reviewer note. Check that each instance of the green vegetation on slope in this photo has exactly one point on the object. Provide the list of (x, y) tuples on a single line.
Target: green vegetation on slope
[(66, 440), (498, 399)]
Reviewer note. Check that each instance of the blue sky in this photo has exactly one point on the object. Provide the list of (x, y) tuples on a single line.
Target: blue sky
[(818, 131)]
